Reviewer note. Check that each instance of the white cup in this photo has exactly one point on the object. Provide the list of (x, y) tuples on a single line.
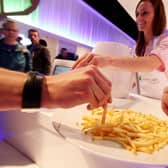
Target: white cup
[(121, 80)]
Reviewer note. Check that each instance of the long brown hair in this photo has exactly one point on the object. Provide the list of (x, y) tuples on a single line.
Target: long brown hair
[(159, 25)]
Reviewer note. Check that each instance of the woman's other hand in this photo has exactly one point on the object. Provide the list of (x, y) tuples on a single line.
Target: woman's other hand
[(91, 59), (165, 100)]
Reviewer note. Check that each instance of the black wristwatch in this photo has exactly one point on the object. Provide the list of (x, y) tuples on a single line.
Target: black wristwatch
[(32, 91)]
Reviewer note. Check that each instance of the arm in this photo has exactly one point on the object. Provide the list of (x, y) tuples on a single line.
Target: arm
[(157, 59), (11, 83), (134, 64), (86, 85)]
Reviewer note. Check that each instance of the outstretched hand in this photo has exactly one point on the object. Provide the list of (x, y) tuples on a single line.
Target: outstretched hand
[(83, 85), (91, 59)]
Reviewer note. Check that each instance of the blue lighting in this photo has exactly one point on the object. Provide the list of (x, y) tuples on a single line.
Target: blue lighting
[(75, 20), (106, 20), (2, 125)]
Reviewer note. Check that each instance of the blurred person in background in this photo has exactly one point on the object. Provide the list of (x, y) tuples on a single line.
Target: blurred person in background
[(1, 33), (12, 54), (64, 54), (19, 39), (41, 58), (43, 42)]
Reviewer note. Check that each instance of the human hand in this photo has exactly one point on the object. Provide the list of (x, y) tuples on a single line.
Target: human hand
[(83, 85), (91, 59), (165, 100)]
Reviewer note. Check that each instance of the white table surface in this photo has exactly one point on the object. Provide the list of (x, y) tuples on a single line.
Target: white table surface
[(11, 158), (36, 137)]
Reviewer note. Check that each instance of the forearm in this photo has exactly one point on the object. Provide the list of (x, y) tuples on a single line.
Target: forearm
[(11, 86), (137, 64)]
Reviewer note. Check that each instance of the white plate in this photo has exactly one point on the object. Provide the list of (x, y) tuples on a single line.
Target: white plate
[(108, 152)]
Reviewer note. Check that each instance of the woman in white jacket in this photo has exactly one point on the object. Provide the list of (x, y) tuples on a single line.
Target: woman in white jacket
[(151, 50)]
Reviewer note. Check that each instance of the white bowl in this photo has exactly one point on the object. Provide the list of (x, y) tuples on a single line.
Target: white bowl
[(108, 154), (101, 159)]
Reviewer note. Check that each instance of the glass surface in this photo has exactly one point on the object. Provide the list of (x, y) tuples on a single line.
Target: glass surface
[(60, 69)]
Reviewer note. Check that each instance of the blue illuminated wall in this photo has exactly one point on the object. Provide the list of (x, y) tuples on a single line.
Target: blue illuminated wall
[(74, 20)]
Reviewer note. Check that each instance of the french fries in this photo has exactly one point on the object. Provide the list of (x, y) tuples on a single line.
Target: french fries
[(103, 120), (135, 131)]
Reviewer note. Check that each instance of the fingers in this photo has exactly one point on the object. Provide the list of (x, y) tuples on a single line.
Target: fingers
[(104, 84), (165, 108), (93, 101), (83, 61), (165, 90), (165, 100), (99, 94), (100, 88)]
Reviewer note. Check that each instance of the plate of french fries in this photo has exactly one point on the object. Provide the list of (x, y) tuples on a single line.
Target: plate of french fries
[(137, 134)]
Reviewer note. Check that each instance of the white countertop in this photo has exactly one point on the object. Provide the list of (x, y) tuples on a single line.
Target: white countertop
[(36, 137), (11, 158)]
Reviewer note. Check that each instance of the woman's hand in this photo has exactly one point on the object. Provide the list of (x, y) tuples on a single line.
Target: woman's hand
[(91, 59), (83, 85), (165, 100)]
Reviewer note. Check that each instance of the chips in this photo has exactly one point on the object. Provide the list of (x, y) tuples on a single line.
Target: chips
[(135, 131)]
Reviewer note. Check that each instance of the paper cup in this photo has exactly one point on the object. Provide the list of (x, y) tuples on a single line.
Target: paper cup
[(121, 80)]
